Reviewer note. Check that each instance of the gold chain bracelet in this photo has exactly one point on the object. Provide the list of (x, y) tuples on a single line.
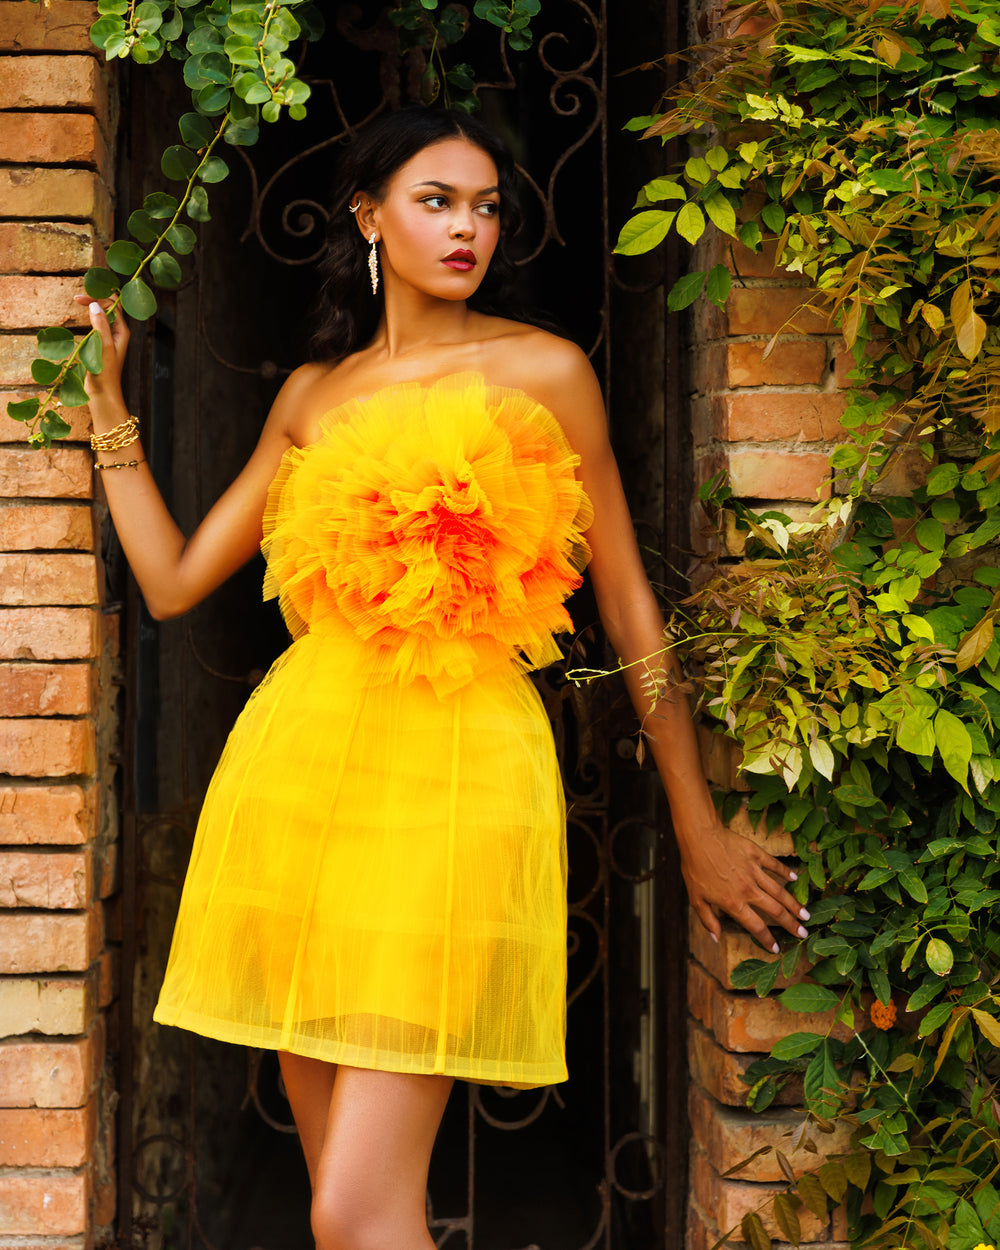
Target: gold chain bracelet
[(122, 435), (124, 464)]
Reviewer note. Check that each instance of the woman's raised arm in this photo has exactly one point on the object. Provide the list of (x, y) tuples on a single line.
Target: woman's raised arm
[(722, 870), (175, 573)]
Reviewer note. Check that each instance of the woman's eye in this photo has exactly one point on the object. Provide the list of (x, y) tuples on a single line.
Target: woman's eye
[(489, 208), (435, 201)]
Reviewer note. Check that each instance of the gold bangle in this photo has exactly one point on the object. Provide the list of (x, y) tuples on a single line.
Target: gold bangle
[(122, 464), (122, 435)]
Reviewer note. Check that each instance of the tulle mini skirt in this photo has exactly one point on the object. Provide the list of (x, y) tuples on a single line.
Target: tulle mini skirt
[(379, 875)]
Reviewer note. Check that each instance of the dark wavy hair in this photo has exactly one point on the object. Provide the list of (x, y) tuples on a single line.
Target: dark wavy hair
[(346, 313)]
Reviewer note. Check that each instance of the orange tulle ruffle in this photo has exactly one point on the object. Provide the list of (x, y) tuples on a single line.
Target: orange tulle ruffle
[(442, 525)]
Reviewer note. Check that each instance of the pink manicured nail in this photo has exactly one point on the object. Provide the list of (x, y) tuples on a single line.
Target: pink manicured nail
[(803, 914), (793, 876), (715, 938), (775, 948), (95, 307), (802, 932)]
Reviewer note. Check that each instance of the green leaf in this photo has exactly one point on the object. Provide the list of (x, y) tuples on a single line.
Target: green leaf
[(91, 353), (718, 285), (141, 227), (685, 291), (955, 744), (915, 733), (138, 300), (643, 232), (100, 283), (213, 170), (942, 478), (55, 343), (213, 99), (53, 426), (663, 189), (939, 956), (160, 205), (181, 238), (807, 997), (71, 393), (690, 222), (721, 212), (197, 205), (196, 131), (773, 216), (165, 271), (178, 163), (23, 409), (795, 1045), (930, 534), (125, 257), (45, 372), (697, 170)]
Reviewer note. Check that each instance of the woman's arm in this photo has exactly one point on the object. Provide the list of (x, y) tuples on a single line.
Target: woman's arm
[(173, 572), (722, 870)]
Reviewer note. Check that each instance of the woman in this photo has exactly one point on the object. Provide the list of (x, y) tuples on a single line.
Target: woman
[(377, 889)]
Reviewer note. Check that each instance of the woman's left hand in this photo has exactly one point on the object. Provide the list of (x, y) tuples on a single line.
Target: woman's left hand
[(724, 871)]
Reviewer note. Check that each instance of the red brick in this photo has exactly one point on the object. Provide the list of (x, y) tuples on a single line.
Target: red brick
[(743, 263), (55, 473), (46, 1203), (48, 943), (774, 310), (16, 431), (55, 194), (48, 633), (63, 1006), (729, 1200), (769, 475), (720, 958), (729, 1137), (48, 246), (719, 1072), (17, 351), (742, 1022), (46, 527), (53, 139), (42, 1137), (57, 26), (51, 1074), (709, 371), (906, 472), (109, 979), (39, 815), (30, 302), (40, 82), (804, 416), (45, 689), (49, 879), (47, 580), (34, 747), (790, 363)]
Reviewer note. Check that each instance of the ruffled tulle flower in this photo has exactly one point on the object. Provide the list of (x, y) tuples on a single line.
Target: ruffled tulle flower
[(441, 524)]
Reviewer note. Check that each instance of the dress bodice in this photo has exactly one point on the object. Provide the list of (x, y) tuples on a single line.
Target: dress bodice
[(441, 524)]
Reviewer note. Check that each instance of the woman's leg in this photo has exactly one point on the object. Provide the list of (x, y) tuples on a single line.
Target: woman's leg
[(309, 1086), (370, 1185)]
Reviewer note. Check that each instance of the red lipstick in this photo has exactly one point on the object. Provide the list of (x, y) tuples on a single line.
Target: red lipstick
[(461, 259)]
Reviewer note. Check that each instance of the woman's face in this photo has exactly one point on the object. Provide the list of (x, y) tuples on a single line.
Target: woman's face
[(439, 221)]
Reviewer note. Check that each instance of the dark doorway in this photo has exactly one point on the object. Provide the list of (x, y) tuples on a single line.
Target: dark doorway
[(208, 1156)]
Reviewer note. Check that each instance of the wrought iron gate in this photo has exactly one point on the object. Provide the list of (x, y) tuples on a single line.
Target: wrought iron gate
[(598, 1162)]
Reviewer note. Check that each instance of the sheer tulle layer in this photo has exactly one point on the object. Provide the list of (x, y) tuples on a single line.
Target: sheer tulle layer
[(379, 874), (379, 877)]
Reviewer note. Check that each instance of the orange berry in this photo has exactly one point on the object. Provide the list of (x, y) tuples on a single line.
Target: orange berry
[(883, 1017)]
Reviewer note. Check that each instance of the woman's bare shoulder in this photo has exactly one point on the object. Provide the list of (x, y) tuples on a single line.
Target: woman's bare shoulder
[(557, 373)]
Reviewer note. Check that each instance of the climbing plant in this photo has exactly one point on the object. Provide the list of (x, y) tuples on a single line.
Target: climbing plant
[(852, 656), (236, 60)]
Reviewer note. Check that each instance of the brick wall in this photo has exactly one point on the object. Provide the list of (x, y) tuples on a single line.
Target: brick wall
[(57, 658), (771, 424)]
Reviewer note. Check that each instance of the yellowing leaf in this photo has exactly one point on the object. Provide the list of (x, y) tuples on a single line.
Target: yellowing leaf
[(690, 223), (970, 328), (933, 316), (787, 1219), (989, 1026), (821, 754), (643, 232), (975, 644)]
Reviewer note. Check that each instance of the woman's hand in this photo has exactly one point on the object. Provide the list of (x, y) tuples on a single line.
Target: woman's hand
[(114, 341), (726, 872)]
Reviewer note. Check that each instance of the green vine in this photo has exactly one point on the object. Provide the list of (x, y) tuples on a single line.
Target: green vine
[(852, 656), (235, 63)]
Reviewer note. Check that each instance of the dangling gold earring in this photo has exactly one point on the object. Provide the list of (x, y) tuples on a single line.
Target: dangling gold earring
[(373, 263)]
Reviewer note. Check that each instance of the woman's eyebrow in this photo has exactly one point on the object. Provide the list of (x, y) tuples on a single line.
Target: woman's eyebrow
[(446, 186)]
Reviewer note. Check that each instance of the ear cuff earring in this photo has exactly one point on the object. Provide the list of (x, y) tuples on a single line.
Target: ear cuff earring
[(373, 263)]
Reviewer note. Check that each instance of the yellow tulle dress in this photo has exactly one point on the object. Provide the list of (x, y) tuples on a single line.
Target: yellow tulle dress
[(379, 873)]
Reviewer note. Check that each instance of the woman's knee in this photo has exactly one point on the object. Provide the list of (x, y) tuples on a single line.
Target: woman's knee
[(344, 1220)]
